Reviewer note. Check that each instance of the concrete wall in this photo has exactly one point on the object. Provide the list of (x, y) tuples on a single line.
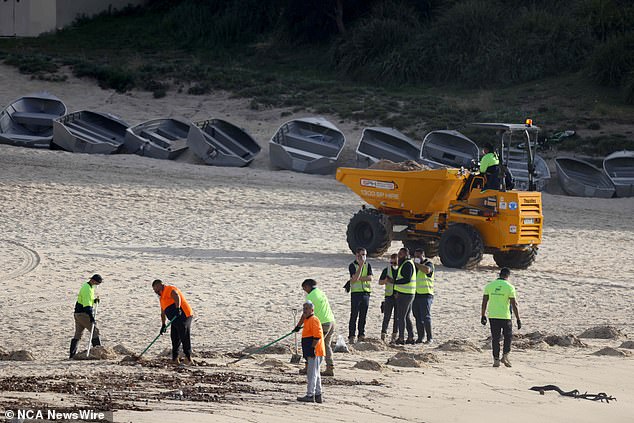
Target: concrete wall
[(29, 18)]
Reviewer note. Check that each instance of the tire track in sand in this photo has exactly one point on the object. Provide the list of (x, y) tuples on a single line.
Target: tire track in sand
[(30, 260)]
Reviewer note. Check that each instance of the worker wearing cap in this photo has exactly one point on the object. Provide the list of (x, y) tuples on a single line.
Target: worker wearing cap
[(424, 296), (326, 317), (84, 313), (174, 307), (360, 287), (499, 296), (489, 165), (313, 351), (387, 306)]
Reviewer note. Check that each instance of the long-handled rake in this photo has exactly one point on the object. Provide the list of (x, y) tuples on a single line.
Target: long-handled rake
[(261, 348), (157, 337), (296, 357)]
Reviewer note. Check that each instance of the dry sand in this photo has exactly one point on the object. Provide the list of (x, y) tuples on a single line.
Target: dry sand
[(238, 242)]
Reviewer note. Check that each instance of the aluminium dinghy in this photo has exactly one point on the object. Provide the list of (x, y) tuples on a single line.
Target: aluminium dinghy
[(158, 138), (518, 166), (448, 148), (309, 145), (619, 167), (220, 143), (89, 132), (581, 179), (380, 143), (28, 121)]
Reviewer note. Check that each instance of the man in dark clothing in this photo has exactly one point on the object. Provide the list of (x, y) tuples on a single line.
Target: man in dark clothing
[(424, 295), (386, 279), (360, 288), (404, 290), (84, 314)]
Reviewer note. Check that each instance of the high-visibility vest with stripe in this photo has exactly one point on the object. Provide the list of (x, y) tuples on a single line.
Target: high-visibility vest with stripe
[(409, 287), (360, 286), (424, 283), (389, 287)]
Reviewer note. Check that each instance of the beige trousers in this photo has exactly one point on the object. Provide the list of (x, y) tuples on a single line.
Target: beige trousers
[(82, 321)]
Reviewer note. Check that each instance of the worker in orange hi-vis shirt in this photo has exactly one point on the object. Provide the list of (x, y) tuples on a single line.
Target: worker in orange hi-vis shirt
[(314, 352)]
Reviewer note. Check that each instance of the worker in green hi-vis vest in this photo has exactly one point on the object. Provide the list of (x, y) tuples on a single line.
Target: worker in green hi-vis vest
[(360, 288)]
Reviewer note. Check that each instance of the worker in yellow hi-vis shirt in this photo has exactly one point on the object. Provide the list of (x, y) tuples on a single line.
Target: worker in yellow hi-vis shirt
[(85, 315), (499, 296)]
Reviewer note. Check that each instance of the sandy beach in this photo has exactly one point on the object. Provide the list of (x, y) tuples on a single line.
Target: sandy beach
[(238, 242)]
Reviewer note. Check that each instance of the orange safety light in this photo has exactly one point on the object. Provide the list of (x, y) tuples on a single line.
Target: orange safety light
[(529, 122)]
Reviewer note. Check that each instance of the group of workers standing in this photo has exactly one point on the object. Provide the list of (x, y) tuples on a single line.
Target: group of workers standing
[(409, 289)]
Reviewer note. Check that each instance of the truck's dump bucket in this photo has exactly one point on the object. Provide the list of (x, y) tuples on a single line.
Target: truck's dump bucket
[(428, 190)]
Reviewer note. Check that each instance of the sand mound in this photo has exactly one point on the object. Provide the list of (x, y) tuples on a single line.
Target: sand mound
[(368, 346), (602, 332), (97, 353), (540, 341), (130, 358), (563, 341), (368, 365), (19, 355), (273, 362), (459, 345), (122, 349), (402, 166), (612, 352), (627, 344), (405, 359)]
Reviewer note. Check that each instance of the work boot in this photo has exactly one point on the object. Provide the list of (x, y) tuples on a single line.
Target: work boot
[(188, 361), (429, 341), (419, 340), (383, 336), (330, 371), (96, 342), (496, 362), (306, 398), (394, 336), (351, 340), (505, 360), (176, 361), (318, 399), (410, 341), (304, 369), (73, 347), (361, 338)]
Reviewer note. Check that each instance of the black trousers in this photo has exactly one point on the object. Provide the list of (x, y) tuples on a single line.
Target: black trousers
[(388, 308), (403, 314), (422, 314), (498, 327), (359, 304), (181, 333)]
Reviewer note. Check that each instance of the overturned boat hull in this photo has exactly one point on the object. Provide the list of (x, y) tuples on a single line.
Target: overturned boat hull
[(448, 148), (581, 179), (89, 132), (309, 145), (380, 143), (220, 143), (28, 121), (518, 166), (619, 167), (158, 138)]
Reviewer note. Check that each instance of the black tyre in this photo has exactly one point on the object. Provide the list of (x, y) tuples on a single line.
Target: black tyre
[(370, 229), (430, 246), (461, 247), (515, 259)]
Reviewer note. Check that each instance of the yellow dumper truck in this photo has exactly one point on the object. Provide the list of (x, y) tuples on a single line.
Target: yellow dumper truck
[(446, 211)]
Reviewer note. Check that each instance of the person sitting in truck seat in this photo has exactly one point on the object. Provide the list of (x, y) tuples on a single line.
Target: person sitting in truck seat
[(489, 166)]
